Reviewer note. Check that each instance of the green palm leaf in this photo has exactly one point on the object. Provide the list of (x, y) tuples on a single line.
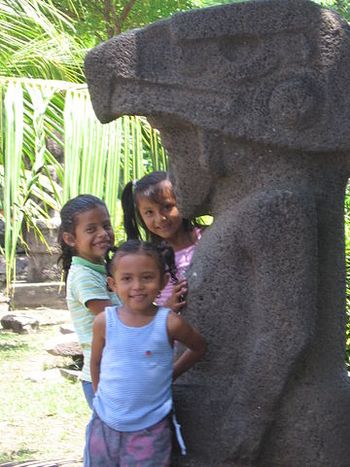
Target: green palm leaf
[(98, 159)]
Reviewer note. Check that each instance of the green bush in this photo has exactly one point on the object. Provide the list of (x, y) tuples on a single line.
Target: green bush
[(347, 263)]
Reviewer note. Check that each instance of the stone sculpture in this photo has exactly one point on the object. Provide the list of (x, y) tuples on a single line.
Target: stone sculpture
[(252, 103)]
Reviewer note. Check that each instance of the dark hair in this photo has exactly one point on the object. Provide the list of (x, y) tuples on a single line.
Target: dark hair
[(69, 211), (147, 186), (163, 255)]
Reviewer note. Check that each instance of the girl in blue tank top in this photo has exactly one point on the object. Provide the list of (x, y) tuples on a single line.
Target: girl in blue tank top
[(132, 363)]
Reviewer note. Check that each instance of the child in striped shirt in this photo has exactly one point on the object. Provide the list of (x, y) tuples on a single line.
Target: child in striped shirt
[(85, 236), (132, 363)]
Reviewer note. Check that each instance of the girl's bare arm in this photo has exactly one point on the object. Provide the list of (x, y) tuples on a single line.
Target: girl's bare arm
[(96, 306), (180, 330), (98, 343)]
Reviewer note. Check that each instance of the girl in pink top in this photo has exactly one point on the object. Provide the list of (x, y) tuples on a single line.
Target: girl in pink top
[(150, 211)]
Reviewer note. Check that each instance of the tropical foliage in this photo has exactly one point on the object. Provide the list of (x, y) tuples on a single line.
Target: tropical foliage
[(99, 21), (347, 261), (39, 41), (41, 117), (36, 182), (341, 6)]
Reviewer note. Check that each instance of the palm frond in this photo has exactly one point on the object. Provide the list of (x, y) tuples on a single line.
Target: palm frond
[(98, 159)]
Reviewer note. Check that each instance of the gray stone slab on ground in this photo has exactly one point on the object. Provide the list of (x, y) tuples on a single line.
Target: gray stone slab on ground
[(71, 375), (252, 102), (45, 316), (42, 258), (39, 294), (65, 345), (19, 323), (67, 329)]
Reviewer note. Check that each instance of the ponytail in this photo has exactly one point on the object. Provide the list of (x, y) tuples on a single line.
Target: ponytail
[(168, 255), (65, 258), (130, 217)]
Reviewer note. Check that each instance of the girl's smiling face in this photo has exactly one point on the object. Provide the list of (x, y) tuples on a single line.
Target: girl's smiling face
[(137, 281), (93, 234), (161, 216)]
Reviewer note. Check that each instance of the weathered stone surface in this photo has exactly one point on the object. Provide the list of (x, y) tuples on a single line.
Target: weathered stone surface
[(66, 345), (42, 258), (253, 106), (33, 295), (21, 268), (22, 324)]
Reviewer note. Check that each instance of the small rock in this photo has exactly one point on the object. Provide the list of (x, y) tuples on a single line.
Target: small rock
[(67, 329), (66, 345), (21, 324), (72, 375)]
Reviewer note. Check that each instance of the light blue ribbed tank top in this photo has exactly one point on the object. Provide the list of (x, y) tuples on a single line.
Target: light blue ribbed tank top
[(134, 390)]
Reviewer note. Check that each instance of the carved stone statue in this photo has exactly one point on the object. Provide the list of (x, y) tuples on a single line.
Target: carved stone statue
[(252, 101)]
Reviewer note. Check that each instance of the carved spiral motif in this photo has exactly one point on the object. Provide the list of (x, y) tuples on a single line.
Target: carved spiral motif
[(295, 102)]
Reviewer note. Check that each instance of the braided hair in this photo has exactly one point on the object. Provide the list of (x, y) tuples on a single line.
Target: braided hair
[(70, 210), (163, 255)]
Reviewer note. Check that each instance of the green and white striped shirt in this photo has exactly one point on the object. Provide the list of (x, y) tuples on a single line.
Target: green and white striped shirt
[(86, 281)]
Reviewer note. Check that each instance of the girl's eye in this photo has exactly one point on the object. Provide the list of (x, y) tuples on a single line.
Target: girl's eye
[(90, 230)]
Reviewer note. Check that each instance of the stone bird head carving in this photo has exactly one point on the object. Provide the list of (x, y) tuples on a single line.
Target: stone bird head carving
[(273, 72)]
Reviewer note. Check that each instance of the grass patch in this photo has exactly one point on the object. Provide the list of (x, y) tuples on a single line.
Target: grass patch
[(43, 415)]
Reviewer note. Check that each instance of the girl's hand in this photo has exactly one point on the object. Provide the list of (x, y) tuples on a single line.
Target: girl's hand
[(177, 299)]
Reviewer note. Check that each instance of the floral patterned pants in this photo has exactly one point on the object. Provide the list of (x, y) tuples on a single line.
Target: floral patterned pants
[(106, 447)]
